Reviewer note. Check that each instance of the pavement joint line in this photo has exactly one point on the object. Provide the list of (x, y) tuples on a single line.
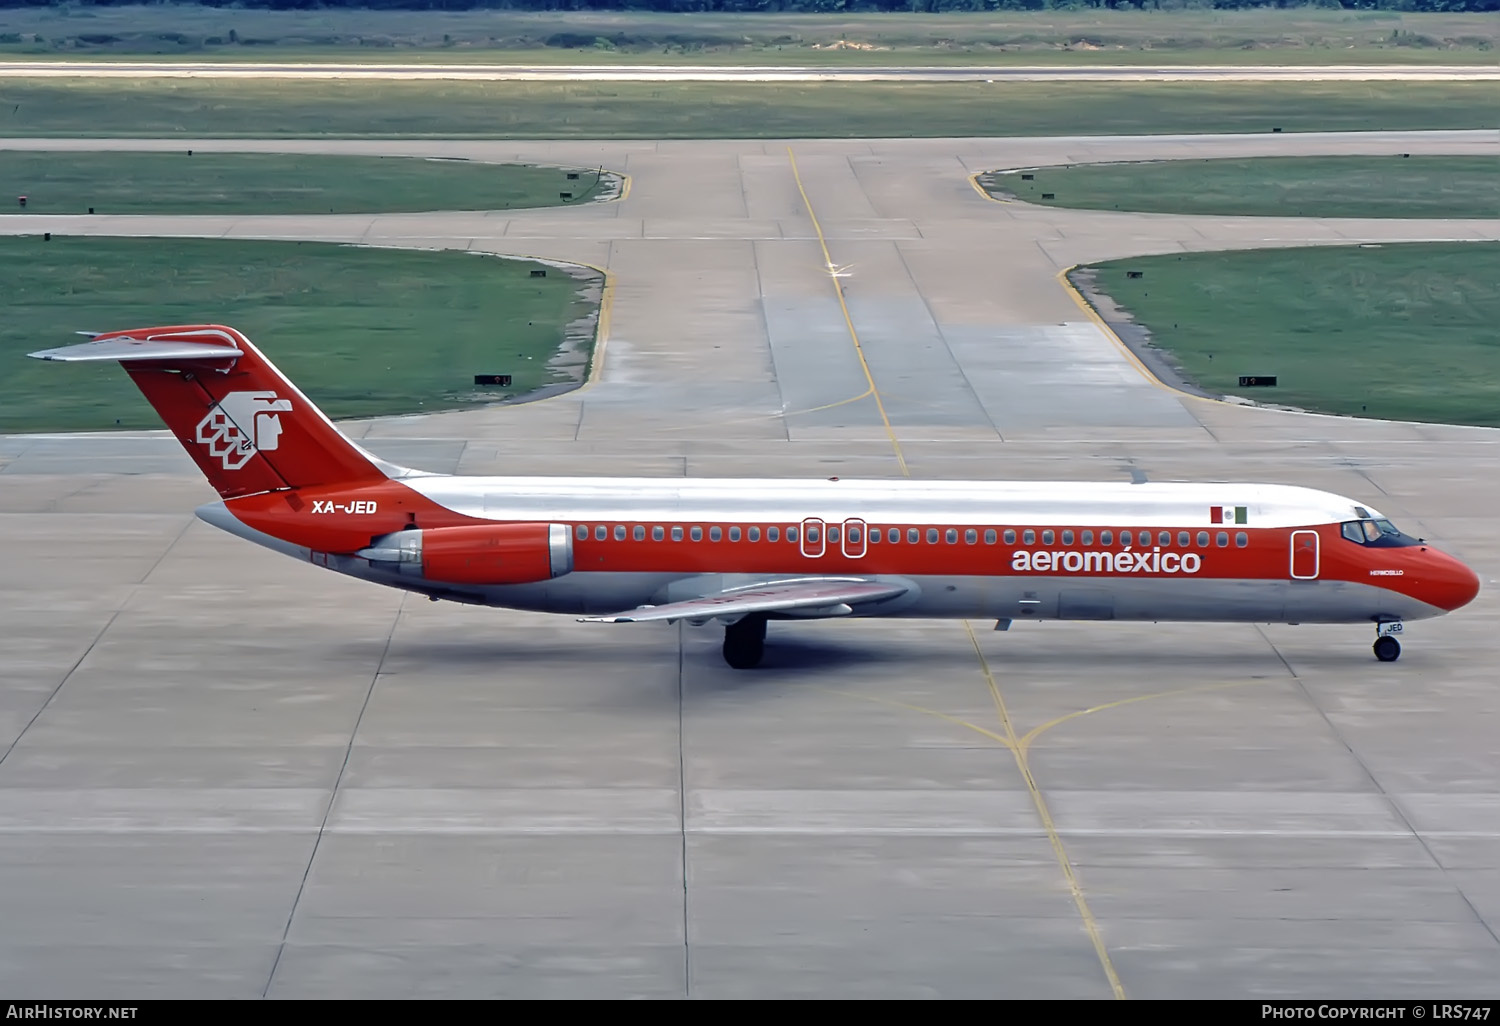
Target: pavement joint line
[(848, 321), (1090, 924), (334, 793), (1390, 800), (892, 703), (134, 590), (687, 951), (1037, 731)]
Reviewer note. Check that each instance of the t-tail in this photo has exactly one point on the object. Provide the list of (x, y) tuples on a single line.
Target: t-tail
[(248, 428)]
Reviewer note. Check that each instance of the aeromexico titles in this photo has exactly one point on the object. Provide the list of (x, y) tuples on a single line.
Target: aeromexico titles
[(742, 552)]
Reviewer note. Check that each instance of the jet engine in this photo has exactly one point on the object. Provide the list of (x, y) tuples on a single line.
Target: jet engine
[(477, 553)]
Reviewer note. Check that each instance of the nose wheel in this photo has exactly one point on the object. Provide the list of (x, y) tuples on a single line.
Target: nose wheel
[(1387, 648), (745, 642)]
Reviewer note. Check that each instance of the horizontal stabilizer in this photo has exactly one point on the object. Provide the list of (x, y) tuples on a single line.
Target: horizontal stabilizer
[(823, 596), (125, 349)]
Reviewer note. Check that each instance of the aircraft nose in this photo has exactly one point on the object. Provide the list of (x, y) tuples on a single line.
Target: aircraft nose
[(1451, 583)]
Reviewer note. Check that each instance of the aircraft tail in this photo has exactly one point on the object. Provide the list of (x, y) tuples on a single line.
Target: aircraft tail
[(247, 427)]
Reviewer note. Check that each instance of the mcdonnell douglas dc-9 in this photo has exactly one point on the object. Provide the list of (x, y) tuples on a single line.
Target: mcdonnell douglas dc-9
[(741, 552)]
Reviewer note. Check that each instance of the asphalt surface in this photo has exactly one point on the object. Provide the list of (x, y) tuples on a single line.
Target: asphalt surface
[(747, 73), (228, 774)]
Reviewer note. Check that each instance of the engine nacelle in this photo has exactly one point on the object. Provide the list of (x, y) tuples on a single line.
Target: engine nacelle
[(477, 553)]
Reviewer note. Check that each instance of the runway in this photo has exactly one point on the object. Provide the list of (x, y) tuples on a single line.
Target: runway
[(231, 775), (746, 73)]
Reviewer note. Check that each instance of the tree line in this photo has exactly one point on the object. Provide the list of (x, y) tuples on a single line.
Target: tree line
[(809, 6)]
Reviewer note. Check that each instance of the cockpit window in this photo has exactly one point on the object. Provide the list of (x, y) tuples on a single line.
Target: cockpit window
[(1381, 533)]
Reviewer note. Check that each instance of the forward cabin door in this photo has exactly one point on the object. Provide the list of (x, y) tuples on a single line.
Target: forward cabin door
[(1304, 555)]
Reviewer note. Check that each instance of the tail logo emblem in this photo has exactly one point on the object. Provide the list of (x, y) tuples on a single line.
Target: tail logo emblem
[(242, 424)]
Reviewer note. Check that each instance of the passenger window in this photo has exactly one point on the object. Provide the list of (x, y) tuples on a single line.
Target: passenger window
[(1353, 532), (1203, 539), (715, 534), (989, 536), (812, 534), (875, 534), (791, 534), (1164, 539), (1183, 539), (1067, 537), (1047, 537), (773, 533), (581, 532), (1088, 537), (1106, 537), (619, 532), (734, 534), (853, 536), (932, 536), (656, 534), (951, 536), (1028, 537), (913, 536), (971, 536), (1222, 539), (833, 534), (638, 533), (1241, 539), (601, 533), (1010, 537), (677, 534), (1125, 538), (754, 533), (696, 533)]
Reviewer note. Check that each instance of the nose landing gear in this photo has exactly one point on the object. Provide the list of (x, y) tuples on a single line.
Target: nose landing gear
[(1387, 648), (745, 642)]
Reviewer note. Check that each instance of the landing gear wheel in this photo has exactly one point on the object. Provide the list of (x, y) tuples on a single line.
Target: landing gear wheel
[(1387, 649), (745, 643)]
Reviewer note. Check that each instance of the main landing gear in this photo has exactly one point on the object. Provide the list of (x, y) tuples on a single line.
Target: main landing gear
[(1387, 648), (745, 642)]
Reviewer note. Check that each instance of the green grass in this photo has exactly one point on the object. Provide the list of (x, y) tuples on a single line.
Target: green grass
[(1302, 35), (204, 108), (1390, 186), (277, 183), (1398, 332), (363, 332)]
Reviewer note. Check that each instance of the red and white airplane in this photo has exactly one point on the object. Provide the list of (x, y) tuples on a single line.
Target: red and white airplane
[(744, 551)]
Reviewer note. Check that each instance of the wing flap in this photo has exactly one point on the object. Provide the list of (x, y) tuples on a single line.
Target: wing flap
[(816, 597)]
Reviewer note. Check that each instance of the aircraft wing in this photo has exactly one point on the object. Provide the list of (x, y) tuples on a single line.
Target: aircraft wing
[(810, 598)]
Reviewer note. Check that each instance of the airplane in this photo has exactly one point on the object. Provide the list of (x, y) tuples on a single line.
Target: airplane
[(742, 552)]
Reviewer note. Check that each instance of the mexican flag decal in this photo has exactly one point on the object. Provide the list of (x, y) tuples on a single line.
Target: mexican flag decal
[(1228, 515)]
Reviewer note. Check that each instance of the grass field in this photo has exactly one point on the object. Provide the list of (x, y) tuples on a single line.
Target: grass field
[(1392, 186), (1300, 35), (1398, 332), (363, 332), (204, 108), (262, 183)]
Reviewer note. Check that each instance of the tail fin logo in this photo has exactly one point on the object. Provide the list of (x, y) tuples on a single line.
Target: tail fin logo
[(242, 424)]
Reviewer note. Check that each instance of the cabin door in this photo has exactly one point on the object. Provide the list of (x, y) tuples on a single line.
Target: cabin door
[(1304, 555)]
